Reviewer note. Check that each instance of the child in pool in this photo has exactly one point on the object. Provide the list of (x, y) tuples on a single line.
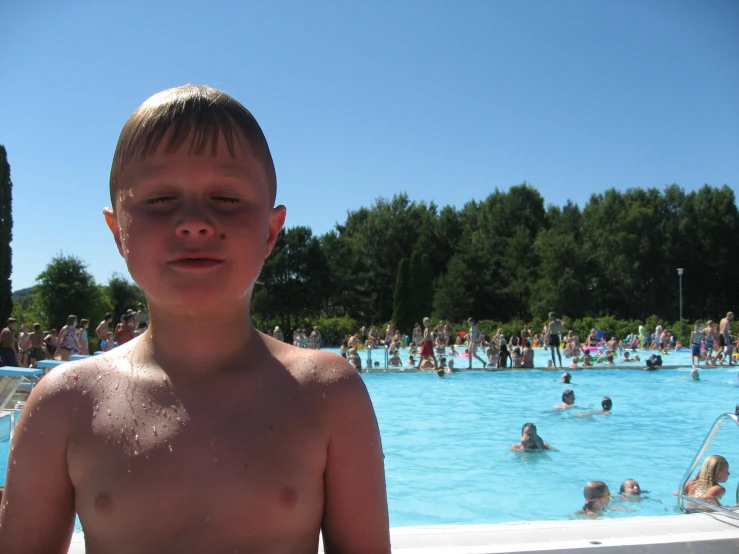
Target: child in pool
[(530, 440), (517, 358), (248, 417), (574, 362), (504, 357), (707, 484), (597, 497), (606, 405), (566, 378)]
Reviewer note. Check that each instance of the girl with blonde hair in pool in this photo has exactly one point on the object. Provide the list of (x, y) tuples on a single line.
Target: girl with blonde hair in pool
[(707, 484)]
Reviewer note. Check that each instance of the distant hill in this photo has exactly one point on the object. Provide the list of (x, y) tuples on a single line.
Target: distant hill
[(21, 294)]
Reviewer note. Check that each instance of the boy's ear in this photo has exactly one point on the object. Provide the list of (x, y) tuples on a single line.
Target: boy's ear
[(112, 221), (276, 222)]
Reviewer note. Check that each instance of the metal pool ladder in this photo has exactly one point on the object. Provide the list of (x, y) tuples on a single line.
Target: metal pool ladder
[(681, 498)]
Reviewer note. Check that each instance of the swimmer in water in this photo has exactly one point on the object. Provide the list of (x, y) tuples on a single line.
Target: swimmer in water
[(597, 497), (630, 488), (568, 400), (606, 407), (707, 484), (566, 378), (694, 375), (530, 440)]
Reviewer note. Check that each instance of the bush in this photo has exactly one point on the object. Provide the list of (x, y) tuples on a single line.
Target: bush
[(334, 329)]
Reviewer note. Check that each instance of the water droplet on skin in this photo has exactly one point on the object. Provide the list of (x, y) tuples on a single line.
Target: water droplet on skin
[(13, 461), (179, 419), (116, 385), (99, 377), (136, 438), (155, 430), (108, 413), (170, 448), (135, 453)]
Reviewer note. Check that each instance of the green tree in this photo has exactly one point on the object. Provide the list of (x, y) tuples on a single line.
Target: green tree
[(6, 236), (66, 287), (402, 298), (294, 281), (452, 301), (123, 295)]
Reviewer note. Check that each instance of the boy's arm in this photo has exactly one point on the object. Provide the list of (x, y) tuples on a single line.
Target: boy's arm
[(37, 513), (355, 517)]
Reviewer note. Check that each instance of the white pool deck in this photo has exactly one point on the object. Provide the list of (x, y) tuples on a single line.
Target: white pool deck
[(694, 534)]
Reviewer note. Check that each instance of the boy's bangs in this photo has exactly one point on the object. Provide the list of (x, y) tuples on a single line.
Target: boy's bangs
[(191, 114)]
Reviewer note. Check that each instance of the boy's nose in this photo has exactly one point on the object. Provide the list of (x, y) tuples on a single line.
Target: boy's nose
[(192, 227)]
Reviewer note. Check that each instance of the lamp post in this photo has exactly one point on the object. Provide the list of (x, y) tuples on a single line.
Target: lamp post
[(680, 272)]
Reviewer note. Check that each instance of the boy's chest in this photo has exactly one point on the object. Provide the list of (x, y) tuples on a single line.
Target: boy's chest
[(220, 462)]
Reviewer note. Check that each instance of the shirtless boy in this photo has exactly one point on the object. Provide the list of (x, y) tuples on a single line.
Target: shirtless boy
[(724, 337), (101, 331), (237, 443), (36, 350), (7, 344), (23, 345)]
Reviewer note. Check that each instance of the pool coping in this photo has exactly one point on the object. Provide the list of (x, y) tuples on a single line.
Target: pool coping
[(691, 533)]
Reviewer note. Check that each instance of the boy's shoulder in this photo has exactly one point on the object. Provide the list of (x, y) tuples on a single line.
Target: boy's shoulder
[(315, 366)]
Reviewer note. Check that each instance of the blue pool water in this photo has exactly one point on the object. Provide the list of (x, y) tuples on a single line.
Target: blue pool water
[(446, 440)]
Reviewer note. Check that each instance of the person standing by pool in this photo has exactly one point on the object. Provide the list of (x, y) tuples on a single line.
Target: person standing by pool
[(528, 355), (555, 330), (658, 336), (8, 345), (642, 336), (725, 337), (36, 351), (473, 337), (101, 331), (315, 339), (709, 332), (68, 341), (696, 339)]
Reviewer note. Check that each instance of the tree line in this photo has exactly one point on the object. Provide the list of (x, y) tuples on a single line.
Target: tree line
[(508, 258)]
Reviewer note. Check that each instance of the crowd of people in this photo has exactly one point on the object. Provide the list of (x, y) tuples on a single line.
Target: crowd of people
[(21, 347), (434, 347)]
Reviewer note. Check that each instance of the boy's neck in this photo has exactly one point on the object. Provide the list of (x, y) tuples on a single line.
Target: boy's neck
[(184, 343)]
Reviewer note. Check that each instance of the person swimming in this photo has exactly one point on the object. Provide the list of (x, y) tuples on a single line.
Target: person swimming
[(530, 440), (597, 497), (630, 487), (566, 378), (606, 406), (706, 486), (568, 399)]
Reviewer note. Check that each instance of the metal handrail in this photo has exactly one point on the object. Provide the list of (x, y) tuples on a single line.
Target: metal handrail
[(681, 498)]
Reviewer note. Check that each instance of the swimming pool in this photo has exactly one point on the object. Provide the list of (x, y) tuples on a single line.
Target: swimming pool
[(446, 440)]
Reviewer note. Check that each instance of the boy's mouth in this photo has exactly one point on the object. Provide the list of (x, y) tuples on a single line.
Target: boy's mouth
[(196, 262)]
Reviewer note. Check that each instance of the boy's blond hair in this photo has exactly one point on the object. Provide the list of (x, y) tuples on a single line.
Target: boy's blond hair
[(190, 111)]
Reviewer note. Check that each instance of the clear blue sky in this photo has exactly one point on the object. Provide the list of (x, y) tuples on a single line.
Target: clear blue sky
[(443, 100)]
